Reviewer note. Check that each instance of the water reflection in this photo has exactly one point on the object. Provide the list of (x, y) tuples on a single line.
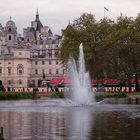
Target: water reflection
[(32, 126), (115, 125), (79, 123), (72, 123)]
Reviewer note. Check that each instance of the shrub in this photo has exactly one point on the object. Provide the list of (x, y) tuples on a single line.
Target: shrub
[(16, 95), (99, 96)]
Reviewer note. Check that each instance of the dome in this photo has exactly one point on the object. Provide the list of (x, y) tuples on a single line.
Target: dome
[(10, 23)]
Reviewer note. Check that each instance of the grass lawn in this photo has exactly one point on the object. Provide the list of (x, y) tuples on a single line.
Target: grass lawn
[(29, 95)]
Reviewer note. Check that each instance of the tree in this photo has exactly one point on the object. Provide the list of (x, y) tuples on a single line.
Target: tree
[(112, 49)]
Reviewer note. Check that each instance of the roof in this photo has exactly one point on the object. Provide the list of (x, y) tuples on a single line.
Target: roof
[(56, 80), (32, 30), (60, 80), (112, 81), (50, 32), (39, 24), (106, 80)]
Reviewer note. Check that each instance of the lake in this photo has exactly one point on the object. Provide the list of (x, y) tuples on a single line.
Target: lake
[(61, 120)]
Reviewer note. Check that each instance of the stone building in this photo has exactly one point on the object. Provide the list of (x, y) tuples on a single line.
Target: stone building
[(31, 59)]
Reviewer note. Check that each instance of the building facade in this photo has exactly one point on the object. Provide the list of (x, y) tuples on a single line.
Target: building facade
[(28, 60)]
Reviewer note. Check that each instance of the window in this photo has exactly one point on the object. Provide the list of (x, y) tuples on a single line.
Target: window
[(63, 71), (20, 69), (9, 62), (9, 70), (31, 83), (50, 54), (50, 71), (28, 39), (10, 37), (9, 82), (20, 83), (36, 62), (56, 53), (50, 62), (36, 71), (43, 62), (19, 53), (9, 30), (57, 71), (56, 62), (43, 71), (0, 70)]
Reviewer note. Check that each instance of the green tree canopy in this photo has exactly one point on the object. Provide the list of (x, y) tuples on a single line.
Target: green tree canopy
[(112, 48)]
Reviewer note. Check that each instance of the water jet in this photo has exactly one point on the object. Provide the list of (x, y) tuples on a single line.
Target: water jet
[(81, 89)]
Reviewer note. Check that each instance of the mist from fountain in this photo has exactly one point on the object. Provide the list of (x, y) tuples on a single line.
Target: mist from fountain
[(80, 90)]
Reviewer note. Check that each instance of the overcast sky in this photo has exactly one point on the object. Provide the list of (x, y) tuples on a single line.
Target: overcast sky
[(57, 13)]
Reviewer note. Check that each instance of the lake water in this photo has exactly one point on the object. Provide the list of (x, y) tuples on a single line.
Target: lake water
[(59, 120)]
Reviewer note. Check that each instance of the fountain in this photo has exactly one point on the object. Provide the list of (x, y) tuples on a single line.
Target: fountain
[(60, 119), (81, 91)]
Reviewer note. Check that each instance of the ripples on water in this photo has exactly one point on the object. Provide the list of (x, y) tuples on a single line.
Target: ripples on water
[(65, 120)]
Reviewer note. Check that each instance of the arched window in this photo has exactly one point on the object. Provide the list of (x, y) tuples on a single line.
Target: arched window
[(20, 83), (9, 69), (10, 37), (20, 69), (9, 30), (9, 82)]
